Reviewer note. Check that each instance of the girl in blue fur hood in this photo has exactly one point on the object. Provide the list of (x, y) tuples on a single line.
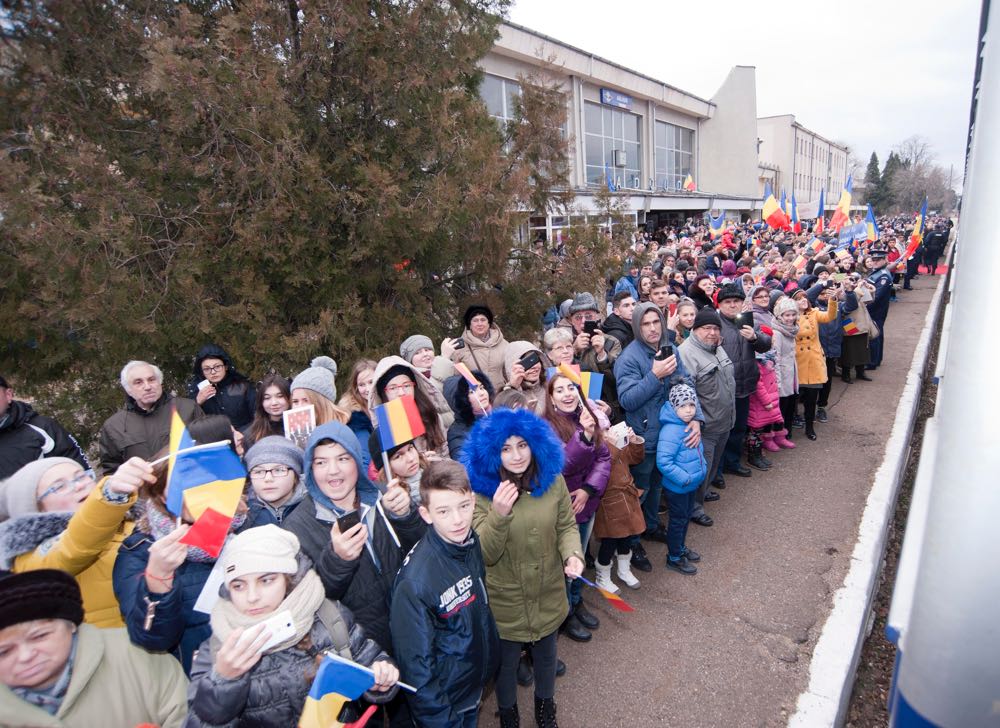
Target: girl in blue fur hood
[(530, 543)]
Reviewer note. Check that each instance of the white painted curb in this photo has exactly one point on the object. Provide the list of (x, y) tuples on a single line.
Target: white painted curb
[(838, 649)]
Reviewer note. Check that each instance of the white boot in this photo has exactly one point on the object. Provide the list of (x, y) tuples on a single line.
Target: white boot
[(625, 571), (604, 578)]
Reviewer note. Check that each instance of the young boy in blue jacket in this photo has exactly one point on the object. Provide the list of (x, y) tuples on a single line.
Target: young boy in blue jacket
[(683, 470), (443, 633)]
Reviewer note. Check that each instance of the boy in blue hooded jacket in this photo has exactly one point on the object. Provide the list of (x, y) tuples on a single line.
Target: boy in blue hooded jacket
[(683, 469)]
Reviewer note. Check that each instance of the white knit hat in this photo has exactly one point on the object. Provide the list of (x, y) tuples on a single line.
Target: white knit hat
[(785, 304), (261, 550)]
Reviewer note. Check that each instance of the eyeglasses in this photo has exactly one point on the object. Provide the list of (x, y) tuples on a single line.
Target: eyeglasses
[(400, 388), (279, 471), (72, 485), (213, 368)]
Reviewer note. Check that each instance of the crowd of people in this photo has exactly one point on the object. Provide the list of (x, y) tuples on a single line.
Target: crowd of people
[(450, 561)]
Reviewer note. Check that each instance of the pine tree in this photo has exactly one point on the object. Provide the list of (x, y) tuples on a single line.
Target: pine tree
[(873, 182), (886, 195)]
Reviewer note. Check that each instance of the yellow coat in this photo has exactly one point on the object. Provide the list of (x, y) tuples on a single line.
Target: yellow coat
[(87, 549), (809, 354)]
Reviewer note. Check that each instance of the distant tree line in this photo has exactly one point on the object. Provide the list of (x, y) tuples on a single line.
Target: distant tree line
[(908, 176)]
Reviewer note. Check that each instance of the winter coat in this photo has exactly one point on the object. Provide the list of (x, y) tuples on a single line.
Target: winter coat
[(361, 425), (456, 392), (614, 325), (175, 628), (683, 468), (83, 544), (273, 692), (516, 350), (588, 362), (364, 585), (640, 393), (112, 683), (808, 352), (524, 551), (260, 513), (786, 367), (586, 466), (486, 356), (630, 284), (700, 298), (620, 514), (432, 393), (26, 435), (134, 432), (444, 636), (765, 394), (831, 334), (878, 308), (742, 353), (714, 383), (235, 397)]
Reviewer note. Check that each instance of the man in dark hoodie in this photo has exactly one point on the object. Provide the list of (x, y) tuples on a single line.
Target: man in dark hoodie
[(619, 323), (26, 435), (219, 389), (645, 371)]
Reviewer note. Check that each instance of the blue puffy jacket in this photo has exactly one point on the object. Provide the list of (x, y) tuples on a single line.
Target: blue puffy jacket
[(443, 633), (831, 335), (176, 628), (683, 467)]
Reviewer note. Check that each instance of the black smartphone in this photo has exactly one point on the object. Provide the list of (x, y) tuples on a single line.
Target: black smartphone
[(589, 327), (663, 353), (529, 360), (348, 521), (744, 318), (459, 344)]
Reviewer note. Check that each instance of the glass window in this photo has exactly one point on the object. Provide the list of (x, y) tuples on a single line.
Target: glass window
[(608, 130), (499, 95), (673, 156)]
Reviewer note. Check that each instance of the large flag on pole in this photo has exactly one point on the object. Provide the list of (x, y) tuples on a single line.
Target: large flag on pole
[(795, 224), (773, 215), (872, 225), (820, 223), (917, 236), (842, 215), (689, 184), (716, 226)]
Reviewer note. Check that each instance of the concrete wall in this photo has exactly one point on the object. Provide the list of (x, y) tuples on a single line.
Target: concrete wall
[(727, 144)]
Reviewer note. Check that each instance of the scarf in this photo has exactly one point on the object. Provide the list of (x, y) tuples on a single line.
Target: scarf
[(162, 524), (789, 331), (50, 699), (303, 602)]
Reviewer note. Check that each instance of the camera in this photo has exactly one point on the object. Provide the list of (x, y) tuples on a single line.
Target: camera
[(529, 360)]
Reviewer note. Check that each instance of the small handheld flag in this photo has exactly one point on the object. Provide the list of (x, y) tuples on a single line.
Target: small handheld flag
[(613, 599), (591, 383), (337, 682), (467, 375), (850, 329), (872, 225), (716, 226), (773, 215), (398, 421), (800, 263), (817, 245)]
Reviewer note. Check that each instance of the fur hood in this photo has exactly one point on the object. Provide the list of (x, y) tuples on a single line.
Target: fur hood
[(433, 393), (481, 453)]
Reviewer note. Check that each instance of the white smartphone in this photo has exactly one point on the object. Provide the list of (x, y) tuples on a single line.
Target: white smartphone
[(280, 625), (203, 383)]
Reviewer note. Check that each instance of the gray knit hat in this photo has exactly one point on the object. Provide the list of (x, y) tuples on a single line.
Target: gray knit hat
[(274, 449), (319, 378), (19, 492), (410, 346), (681, 394), (584, 302)]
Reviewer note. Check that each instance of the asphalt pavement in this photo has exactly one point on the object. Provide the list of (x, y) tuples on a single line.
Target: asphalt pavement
[(731, 645)]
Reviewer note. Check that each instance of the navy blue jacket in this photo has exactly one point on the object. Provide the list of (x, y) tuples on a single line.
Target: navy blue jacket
[(878, 308), (176, 628), (443, 633)]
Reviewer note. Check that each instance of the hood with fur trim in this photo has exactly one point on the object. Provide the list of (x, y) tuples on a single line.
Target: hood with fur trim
[(433, 393), (481, 453)]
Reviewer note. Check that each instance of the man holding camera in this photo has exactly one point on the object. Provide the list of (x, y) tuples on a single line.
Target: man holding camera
[(742, 341), (645, 372)]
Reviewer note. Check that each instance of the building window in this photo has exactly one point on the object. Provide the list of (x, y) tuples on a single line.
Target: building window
[(500, 96), (607, 130), (674, 146)]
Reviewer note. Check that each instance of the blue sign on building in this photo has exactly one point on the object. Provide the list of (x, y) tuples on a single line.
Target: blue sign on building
[(615, 98)]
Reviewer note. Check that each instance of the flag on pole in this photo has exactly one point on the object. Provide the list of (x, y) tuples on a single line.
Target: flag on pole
[(613, 599), (800, 263), (795, 224), (689, 184), (772, 214), (817, 245), (820, 212), (786, 208), (398, 421), (873, 231), (467, 374), (209, 473), (337, 682), (917, 236), (850, 329), (842, 215), (716, 226), (590, 383), (842, 254), (609, 178)]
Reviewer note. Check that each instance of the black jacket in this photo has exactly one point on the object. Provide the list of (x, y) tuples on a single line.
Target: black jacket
[(615, 325), (236, 396), (26, 436), (743, 354), (362, 586), (444, 636), (135, 432)]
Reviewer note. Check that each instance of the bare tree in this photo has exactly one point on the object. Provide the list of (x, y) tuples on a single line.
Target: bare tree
[(915, 151)]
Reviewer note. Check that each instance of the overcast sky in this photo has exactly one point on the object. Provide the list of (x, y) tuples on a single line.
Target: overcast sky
[(868, 73)]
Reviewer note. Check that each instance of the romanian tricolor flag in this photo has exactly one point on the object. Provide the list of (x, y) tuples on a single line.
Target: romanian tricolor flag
[(795, 224), (850, 329), (773, 215), (689, 184), (817, 245), (208, 480), (917, 236), (842, 254), (590, 383), (820, 212), (800, 263), (786, 207), (873, 231), (398, 421), (716, 226), (842, 215), (613, 599), (337, 683), (467, 375)]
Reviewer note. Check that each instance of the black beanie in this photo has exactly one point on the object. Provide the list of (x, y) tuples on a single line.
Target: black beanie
[(730, 290), (707, 316), (475, 309), (375, 449), (39, 594), (394, 371)]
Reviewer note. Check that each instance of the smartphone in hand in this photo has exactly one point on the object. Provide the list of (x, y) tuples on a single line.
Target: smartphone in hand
[(348, 521)]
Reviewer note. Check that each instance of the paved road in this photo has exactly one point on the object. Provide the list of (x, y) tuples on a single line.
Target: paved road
[(731, 645)]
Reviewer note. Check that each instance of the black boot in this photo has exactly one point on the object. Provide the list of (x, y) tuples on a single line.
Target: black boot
[(859, 372), (573, 629), (545, 713), (586, 617), (845, 376), (639, 559), (509, 717), (810, 432), (755, 458)]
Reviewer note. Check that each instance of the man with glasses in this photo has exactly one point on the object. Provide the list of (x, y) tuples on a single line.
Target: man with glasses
[(26, 435), (142, 427)]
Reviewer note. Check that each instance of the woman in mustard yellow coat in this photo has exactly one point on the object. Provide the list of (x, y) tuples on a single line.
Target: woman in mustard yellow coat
[(809, 357), (57, 517)]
